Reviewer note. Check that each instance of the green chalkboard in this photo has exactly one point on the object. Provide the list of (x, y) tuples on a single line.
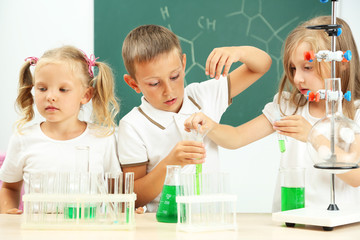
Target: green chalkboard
[(202, 25)]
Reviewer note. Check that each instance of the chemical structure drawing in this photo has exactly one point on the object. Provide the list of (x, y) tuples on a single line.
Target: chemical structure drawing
[(193, 63), (257, 18), (258, 27)]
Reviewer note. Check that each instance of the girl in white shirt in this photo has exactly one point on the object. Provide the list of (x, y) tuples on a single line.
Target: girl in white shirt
[(63, 81), (299, 114)]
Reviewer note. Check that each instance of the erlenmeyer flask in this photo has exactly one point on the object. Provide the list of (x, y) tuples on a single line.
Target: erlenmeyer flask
[(167, 211)]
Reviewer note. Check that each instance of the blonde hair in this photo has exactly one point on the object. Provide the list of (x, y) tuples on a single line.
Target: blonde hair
[(104, 102), (145, 43), (319, 40)]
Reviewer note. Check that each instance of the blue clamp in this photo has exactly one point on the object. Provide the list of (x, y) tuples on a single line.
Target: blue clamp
[(348, 55), (323, 1), (347, 96), (339, 32)]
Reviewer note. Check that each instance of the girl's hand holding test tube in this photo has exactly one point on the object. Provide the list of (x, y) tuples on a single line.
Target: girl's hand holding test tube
[(199, 122), (294, 126)]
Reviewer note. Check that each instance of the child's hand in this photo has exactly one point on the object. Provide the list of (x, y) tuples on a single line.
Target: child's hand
[(14, 211), (140, 210), (186, 152), (294, 126), (221, 58), (197, 119)]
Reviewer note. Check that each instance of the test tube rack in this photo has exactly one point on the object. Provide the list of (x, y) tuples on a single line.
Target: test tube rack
[(58, 212), (78, 201), (214, 209)]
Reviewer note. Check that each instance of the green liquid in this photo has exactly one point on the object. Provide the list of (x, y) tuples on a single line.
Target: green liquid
[(282, 145), (127, 215), (70, 212), (198, 174), (292, 198), (167, 211)]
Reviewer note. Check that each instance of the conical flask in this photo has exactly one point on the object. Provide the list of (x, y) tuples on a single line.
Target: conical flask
[(167, 211)]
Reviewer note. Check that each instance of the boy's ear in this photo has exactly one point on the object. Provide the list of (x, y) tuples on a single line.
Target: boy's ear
[(184, 61), (132, 83), (89, 93)]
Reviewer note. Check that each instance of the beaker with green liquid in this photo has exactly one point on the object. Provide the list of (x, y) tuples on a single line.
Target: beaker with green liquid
[(292, 188), (167, 211)]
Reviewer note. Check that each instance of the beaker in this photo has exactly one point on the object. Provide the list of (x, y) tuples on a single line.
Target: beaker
[(292, 188), (167, 211)]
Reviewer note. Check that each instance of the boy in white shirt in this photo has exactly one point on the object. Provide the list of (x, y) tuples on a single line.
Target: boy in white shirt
[(151, 136)]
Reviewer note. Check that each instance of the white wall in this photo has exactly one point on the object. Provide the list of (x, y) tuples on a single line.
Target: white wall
[(28, 28)]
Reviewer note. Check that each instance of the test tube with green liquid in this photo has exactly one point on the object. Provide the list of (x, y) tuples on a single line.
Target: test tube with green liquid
[(281, 138), (129, 189), (198, 170)]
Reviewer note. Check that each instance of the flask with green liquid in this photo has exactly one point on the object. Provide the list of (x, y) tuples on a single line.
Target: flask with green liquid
[(167, 211)]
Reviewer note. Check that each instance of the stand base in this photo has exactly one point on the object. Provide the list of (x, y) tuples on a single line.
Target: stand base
[(318, 217)]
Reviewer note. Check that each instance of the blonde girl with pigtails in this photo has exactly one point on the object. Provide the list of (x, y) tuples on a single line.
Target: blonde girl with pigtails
[(63, 81)]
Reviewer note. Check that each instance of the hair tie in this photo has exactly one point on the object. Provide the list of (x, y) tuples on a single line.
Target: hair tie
[(90, 61), (32, 60)]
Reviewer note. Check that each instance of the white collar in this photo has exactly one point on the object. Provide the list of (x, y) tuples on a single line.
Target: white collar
[(161, 118)]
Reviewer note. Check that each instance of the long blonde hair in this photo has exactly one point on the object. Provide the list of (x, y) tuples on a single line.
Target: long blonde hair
[(104, 103), (319, 40)]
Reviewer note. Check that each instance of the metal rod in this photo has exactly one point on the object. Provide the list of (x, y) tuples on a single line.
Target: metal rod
[(333, 75), (332, 189)]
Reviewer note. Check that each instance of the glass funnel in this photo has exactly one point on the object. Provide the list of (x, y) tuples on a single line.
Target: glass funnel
[(334, 141)]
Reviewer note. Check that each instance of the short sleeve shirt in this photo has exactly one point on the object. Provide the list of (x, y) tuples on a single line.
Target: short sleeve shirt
[(33, 151), (317, 182), (147, 135)]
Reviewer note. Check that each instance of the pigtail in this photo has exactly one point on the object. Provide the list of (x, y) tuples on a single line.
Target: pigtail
[(25, 100), (105, 106)]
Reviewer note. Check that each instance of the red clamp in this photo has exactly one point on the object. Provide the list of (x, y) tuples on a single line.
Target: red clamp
[(309, 56)]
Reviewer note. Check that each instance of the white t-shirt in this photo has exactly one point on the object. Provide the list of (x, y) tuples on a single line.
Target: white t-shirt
[(33, 151), (317, 181), (147, 135)]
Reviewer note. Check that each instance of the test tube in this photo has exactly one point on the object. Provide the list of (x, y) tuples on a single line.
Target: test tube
[(281, 138), (35, 187), (114, 184), (129, 189), (199, 137)]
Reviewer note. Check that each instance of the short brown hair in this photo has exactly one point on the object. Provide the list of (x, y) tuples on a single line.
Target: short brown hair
[(145, 43)]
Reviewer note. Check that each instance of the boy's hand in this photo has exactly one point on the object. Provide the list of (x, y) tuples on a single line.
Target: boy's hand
[(14, 211), (221, 58), (197, 119), (294, 126), (187, 152)]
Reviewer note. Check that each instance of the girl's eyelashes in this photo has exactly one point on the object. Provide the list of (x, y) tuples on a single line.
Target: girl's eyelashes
[(42, 89), (63, 90)]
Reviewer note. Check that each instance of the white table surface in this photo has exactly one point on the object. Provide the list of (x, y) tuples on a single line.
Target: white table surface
[(250, 226)]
